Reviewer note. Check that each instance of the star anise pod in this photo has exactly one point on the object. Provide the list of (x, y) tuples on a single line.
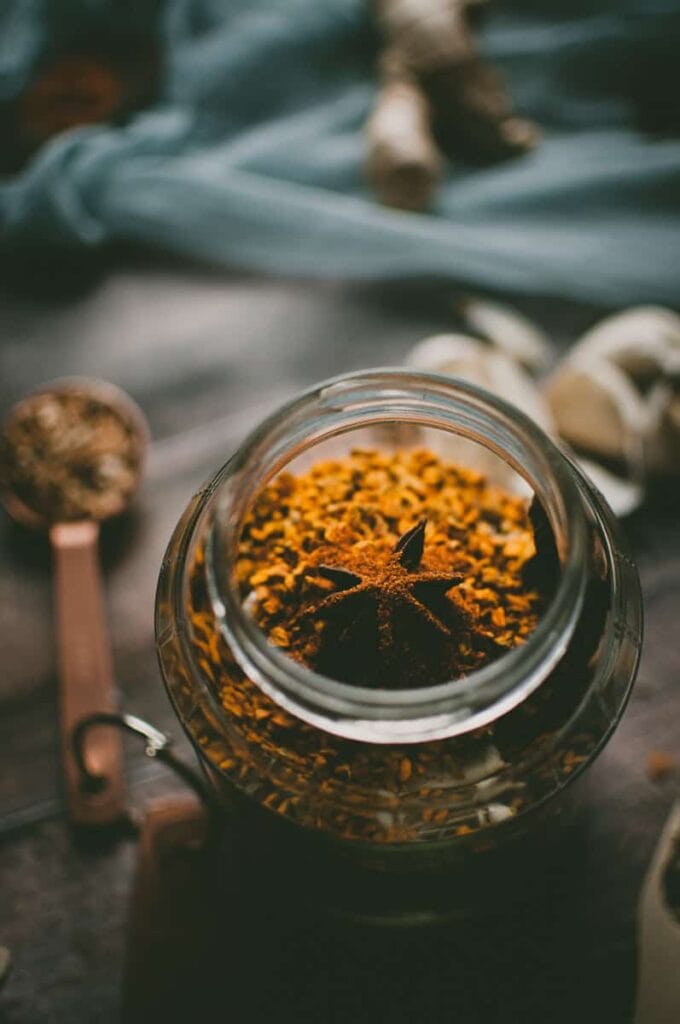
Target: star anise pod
[(368, 613)]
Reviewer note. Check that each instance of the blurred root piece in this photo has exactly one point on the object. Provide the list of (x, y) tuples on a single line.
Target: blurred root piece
[(508, 329), (643, 341), (478, 362), (427, 34), (402, 165), (618, 393), (473, 116), (598, 410), (464, 109), (594, 407)]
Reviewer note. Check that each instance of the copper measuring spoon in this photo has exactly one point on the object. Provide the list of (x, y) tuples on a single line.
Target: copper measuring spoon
[(71, 456)]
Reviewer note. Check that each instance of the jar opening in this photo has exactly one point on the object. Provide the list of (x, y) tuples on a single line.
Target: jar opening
[(395, 406)]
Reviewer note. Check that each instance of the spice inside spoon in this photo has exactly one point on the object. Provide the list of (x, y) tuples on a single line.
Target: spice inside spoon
[(71, 455)]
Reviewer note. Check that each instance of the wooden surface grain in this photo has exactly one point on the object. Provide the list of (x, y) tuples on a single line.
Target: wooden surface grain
[(206, 356)]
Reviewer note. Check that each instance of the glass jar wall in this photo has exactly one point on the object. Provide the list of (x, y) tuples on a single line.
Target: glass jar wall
[(352, 783)]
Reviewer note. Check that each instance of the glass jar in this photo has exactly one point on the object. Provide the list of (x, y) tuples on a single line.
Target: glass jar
[(388, 802)]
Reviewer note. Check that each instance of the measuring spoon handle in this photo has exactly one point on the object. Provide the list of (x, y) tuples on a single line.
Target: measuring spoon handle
[(86, 683)]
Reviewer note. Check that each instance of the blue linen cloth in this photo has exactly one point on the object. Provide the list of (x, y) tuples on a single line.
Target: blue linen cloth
[(252, 156)]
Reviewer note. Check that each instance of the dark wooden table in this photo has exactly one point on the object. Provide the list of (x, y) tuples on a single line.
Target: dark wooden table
[(206, 355)]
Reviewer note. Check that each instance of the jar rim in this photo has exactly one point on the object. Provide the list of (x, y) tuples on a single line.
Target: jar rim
[(343, 404)]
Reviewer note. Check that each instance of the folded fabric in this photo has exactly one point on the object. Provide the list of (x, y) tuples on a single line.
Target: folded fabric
[(252, 156)]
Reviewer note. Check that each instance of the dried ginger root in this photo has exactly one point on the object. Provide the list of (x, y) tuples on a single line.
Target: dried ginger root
[(403, 163), (436, 95)]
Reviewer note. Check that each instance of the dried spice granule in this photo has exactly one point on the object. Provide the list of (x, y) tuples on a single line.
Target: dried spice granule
[(660, 764), (67, 454), (343, 517)]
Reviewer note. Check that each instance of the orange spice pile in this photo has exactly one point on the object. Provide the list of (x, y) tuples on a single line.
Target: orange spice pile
[(343, 517), (342, 512)]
